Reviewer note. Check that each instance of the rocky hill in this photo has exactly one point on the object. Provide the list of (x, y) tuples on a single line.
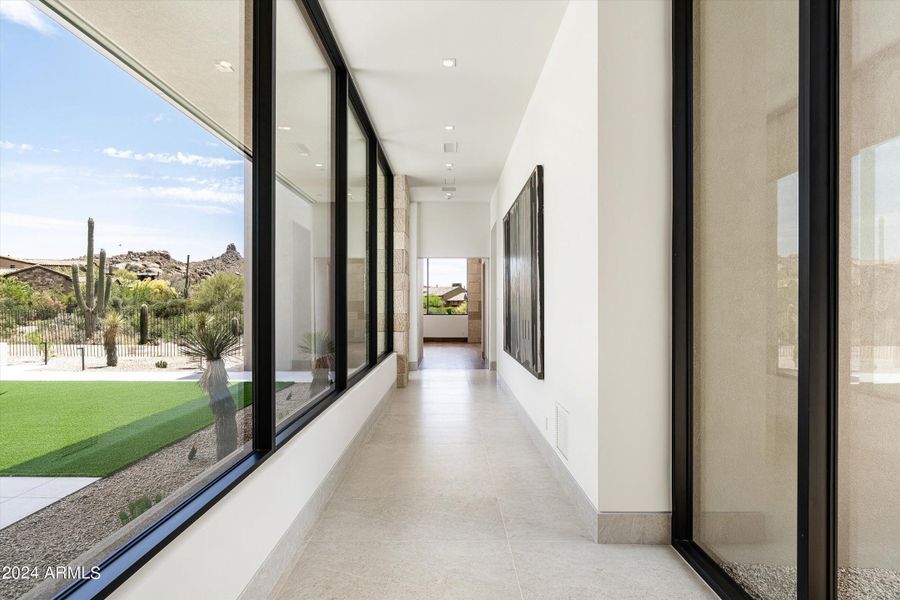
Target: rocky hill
[(172, 270)]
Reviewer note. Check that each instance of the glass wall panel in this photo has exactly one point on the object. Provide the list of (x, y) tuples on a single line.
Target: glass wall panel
[(869, 301), (357, 245), (125, 301), (745, 268), (383, 262), (304, 216)]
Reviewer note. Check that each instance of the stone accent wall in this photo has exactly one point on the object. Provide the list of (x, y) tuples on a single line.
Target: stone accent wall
[(473, 287), (42, 279), (401, 278)]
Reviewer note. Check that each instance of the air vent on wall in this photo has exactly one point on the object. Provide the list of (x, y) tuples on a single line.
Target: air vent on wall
[(450, 180), (562, 431), (451, 146), (448, 188)]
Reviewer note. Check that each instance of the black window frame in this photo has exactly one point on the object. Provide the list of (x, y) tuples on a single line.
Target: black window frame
[(428, 288), (818, 303), (268, 439)]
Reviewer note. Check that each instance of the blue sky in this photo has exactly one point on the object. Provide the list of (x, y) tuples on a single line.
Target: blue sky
[(80, 137)]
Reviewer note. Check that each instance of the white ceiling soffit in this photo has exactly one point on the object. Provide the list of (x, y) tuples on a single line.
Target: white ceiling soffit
[(395, 50)]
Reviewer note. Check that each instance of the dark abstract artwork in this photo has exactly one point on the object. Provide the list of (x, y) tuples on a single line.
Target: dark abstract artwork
[(523, 273)]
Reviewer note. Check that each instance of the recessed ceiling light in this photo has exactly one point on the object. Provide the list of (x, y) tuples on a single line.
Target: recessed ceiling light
[(320, 165), (223, 66), (449, 127), (448, 165), (284, 128), (449, 62)]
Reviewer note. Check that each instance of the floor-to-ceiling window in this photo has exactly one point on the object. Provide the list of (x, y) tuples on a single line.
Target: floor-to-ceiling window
[(868, 476), (786, 311), (358, 228), (169, 232), (745, 289), (304, 219), (125, 325)]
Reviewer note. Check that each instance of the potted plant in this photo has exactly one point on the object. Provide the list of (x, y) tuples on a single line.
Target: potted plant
[(319, 347), (213, 340)]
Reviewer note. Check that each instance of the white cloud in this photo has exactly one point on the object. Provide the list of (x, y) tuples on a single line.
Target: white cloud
[(178, 157), (206, 209), (7, 145), (23, 13), (214, 193)]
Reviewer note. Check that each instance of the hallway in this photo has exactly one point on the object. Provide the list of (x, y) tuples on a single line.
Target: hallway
[(449, 498), (451, 355)]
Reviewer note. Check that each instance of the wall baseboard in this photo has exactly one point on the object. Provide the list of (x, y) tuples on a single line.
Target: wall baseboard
[(455, 340), (278, 564), (413, 365), (603, 527)]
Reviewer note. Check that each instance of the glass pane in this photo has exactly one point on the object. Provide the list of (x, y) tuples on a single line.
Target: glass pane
[(125, 309), (869, 280), (445, 290), (304, 216), (357, 246), (383, 264), (745, 290)]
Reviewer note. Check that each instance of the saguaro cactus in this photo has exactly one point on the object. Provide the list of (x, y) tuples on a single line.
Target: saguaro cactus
[(144, 324), (93, 298)]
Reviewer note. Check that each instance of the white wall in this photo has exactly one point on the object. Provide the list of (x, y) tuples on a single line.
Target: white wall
[(223, 549), (558, 131), (446, 326), (635, 220), (454, 229), (607, 243)]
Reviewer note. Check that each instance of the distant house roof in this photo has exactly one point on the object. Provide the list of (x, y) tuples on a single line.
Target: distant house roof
[(13, 272), (47, 262), (452, 293), (459, 297)]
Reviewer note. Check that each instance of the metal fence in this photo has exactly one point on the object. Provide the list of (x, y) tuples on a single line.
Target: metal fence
[(31, 332)]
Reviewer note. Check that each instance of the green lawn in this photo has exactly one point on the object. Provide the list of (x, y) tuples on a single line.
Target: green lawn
[(92, 429)]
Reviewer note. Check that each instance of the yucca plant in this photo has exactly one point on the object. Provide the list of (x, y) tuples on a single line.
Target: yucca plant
[(113, 322), (213, 339), (319, 347)]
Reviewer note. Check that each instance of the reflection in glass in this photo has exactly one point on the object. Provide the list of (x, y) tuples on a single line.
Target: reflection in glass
[(745, 290), (357, 245), (869, 301), (304, 216), (146, 186)]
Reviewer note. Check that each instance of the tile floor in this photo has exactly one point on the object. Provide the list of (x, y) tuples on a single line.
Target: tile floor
[(451, 355), (22, 496), (450, 499)]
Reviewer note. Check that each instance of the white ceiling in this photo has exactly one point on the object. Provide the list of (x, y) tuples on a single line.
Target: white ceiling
[(395, 48)]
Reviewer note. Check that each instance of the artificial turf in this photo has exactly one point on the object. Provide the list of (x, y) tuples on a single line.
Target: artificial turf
[(92, 429)]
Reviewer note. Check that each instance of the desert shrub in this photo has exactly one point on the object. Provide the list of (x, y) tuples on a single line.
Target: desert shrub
[(46, 305), (152, 291), (14, 294), (161, 364), (170, 308), (222, 292), (137, 507)]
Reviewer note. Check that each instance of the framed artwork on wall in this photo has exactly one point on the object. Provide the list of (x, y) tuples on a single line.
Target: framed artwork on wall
[(523, 274)]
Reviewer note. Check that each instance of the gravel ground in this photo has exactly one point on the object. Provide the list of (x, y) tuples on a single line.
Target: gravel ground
[(773, 582), (84, 527), (126, 363)]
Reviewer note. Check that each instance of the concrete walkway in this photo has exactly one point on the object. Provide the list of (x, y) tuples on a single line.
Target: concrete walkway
[(22, 496)]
